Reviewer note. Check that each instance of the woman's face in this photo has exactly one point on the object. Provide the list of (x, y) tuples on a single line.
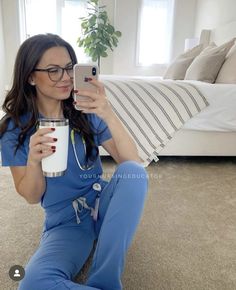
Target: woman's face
[(52, 59)]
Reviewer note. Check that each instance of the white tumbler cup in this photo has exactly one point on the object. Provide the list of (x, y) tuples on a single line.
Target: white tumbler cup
[(55, 165)]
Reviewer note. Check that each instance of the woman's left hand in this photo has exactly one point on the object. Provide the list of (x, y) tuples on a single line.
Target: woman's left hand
[(98, 102)]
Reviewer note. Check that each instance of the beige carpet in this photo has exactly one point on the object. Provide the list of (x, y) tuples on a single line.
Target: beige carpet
[(186, 240)]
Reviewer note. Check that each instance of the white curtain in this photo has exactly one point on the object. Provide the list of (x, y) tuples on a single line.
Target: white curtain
[(155, 28)]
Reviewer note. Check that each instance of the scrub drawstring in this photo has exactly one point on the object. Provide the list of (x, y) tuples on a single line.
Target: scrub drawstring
[(83, 204), (82, 201)]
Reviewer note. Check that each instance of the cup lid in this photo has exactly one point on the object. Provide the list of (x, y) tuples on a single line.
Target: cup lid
[(53, 122)]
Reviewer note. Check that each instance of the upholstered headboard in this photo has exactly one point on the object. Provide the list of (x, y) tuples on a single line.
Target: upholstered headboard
[(220, 34), (223, 33)]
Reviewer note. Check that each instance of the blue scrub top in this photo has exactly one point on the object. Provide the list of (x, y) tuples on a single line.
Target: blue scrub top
[(76, 182)]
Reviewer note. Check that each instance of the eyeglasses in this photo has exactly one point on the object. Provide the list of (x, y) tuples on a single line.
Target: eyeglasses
[(56, 73)]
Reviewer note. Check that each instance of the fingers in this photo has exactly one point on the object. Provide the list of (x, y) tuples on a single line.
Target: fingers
[(43, 131), (41, 140), (41, 145), (87, 93), (99, 85), (87, 104), (43, 149), (98, 103), (100, 92)]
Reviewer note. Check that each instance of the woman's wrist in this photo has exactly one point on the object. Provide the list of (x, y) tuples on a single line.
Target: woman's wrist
[(33, 163), (110, 117)]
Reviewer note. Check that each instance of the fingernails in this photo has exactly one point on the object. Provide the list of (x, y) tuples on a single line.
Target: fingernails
[(53, 147), (53, 129), (75, 91), (54, 139), (53, 151), (74, 103), (87, 79)]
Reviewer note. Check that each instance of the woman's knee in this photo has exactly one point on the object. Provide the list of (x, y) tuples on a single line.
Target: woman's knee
[(134, 175), (131, 170), (132, 167)]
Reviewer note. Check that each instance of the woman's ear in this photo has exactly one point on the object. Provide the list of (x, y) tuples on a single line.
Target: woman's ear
[(31, 81)]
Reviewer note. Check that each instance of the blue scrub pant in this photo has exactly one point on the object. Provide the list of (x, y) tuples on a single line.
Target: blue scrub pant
[(64, 249)]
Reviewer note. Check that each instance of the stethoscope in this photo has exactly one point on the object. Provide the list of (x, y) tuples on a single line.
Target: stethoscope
[(72, 137), (96, 186)]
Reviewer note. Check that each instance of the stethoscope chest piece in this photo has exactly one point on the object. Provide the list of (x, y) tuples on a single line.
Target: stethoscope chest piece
[(97, 187)]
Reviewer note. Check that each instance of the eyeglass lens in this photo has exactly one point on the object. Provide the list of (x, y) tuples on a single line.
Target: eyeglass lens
[(56, 74)]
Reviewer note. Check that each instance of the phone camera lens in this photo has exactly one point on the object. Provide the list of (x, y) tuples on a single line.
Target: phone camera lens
[(94, 71)]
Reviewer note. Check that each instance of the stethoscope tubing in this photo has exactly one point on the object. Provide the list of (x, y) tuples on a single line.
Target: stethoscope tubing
[(82, 167)]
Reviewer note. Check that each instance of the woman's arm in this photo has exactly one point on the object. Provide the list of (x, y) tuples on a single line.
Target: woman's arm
[(121, 146), (29, 180)]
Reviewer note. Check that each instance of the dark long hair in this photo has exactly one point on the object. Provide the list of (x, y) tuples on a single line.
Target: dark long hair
[(21, 99)]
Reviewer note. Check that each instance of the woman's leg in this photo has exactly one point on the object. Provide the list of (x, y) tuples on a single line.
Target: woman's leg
[(121, 206), (61, 254)]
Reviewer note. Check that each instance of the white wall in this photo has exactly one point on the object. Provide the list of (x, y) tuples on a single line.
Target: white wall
[(107, 62), (184, 24), (213, 13), (2, 59)]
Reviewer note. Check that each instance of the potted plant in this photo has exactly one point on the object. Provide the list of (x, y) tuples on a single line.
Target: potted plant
[(98, 35)]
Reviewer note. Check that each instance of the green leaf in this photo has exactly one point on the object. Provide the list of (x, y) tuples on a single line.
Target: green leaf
[(104, 54), (84, 25), (102, 7), (80, 43), (87, 40), (92, 20), (118, 33), (94, 58), (94, 1), (110, 29)]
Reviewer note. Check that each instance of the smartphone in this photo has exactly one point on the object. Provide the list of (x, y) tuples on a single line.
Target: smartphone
[(81, 74)]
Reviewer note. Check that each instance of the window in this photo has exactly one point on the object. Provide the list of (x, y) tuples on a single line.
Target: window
[(154, 33), (54, 16)]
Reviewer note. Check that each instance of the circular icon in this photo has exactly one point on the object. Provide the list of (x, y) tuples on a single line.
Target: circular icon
[(16, 273)]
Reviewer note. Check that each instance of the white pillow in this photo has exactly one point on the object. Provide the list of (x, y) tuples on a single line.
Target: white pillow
[(227, 73), (177, 69), (207, 64)]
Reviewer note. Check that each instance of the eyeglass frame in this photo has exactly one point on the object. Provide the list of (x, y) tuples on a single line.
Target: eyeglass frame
[(68, 68)]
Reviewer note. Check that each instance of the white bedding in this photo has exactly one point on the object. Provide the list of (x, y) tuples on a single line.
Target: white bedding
[(219, 116)]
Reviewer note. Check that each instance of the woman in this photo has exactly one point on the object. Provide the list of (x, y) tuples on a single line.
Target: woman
[(43, 87)]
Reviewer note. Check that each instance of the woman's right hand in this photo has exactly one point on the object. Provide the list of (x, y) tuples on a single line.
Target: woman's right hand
[(39, 147)]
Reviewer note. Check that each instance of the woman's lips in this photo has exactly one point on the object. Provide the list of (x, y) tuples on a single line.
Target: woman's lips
[(65, 88)]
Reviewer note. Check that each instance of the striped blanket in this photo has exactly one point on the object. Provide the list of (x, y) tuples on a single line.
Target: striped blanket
[(153, 111)]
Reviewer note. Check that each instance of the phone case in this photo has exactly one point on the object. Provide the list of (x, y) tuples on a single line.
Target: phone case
[(81, 73)]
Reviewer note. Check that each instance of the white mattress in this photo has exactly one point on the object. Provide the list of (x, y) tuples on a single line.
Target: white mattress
[(219, 116)]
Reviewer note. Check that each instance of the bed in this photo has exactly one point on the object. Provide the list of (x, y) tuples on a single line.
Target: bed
[(210, 132)]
